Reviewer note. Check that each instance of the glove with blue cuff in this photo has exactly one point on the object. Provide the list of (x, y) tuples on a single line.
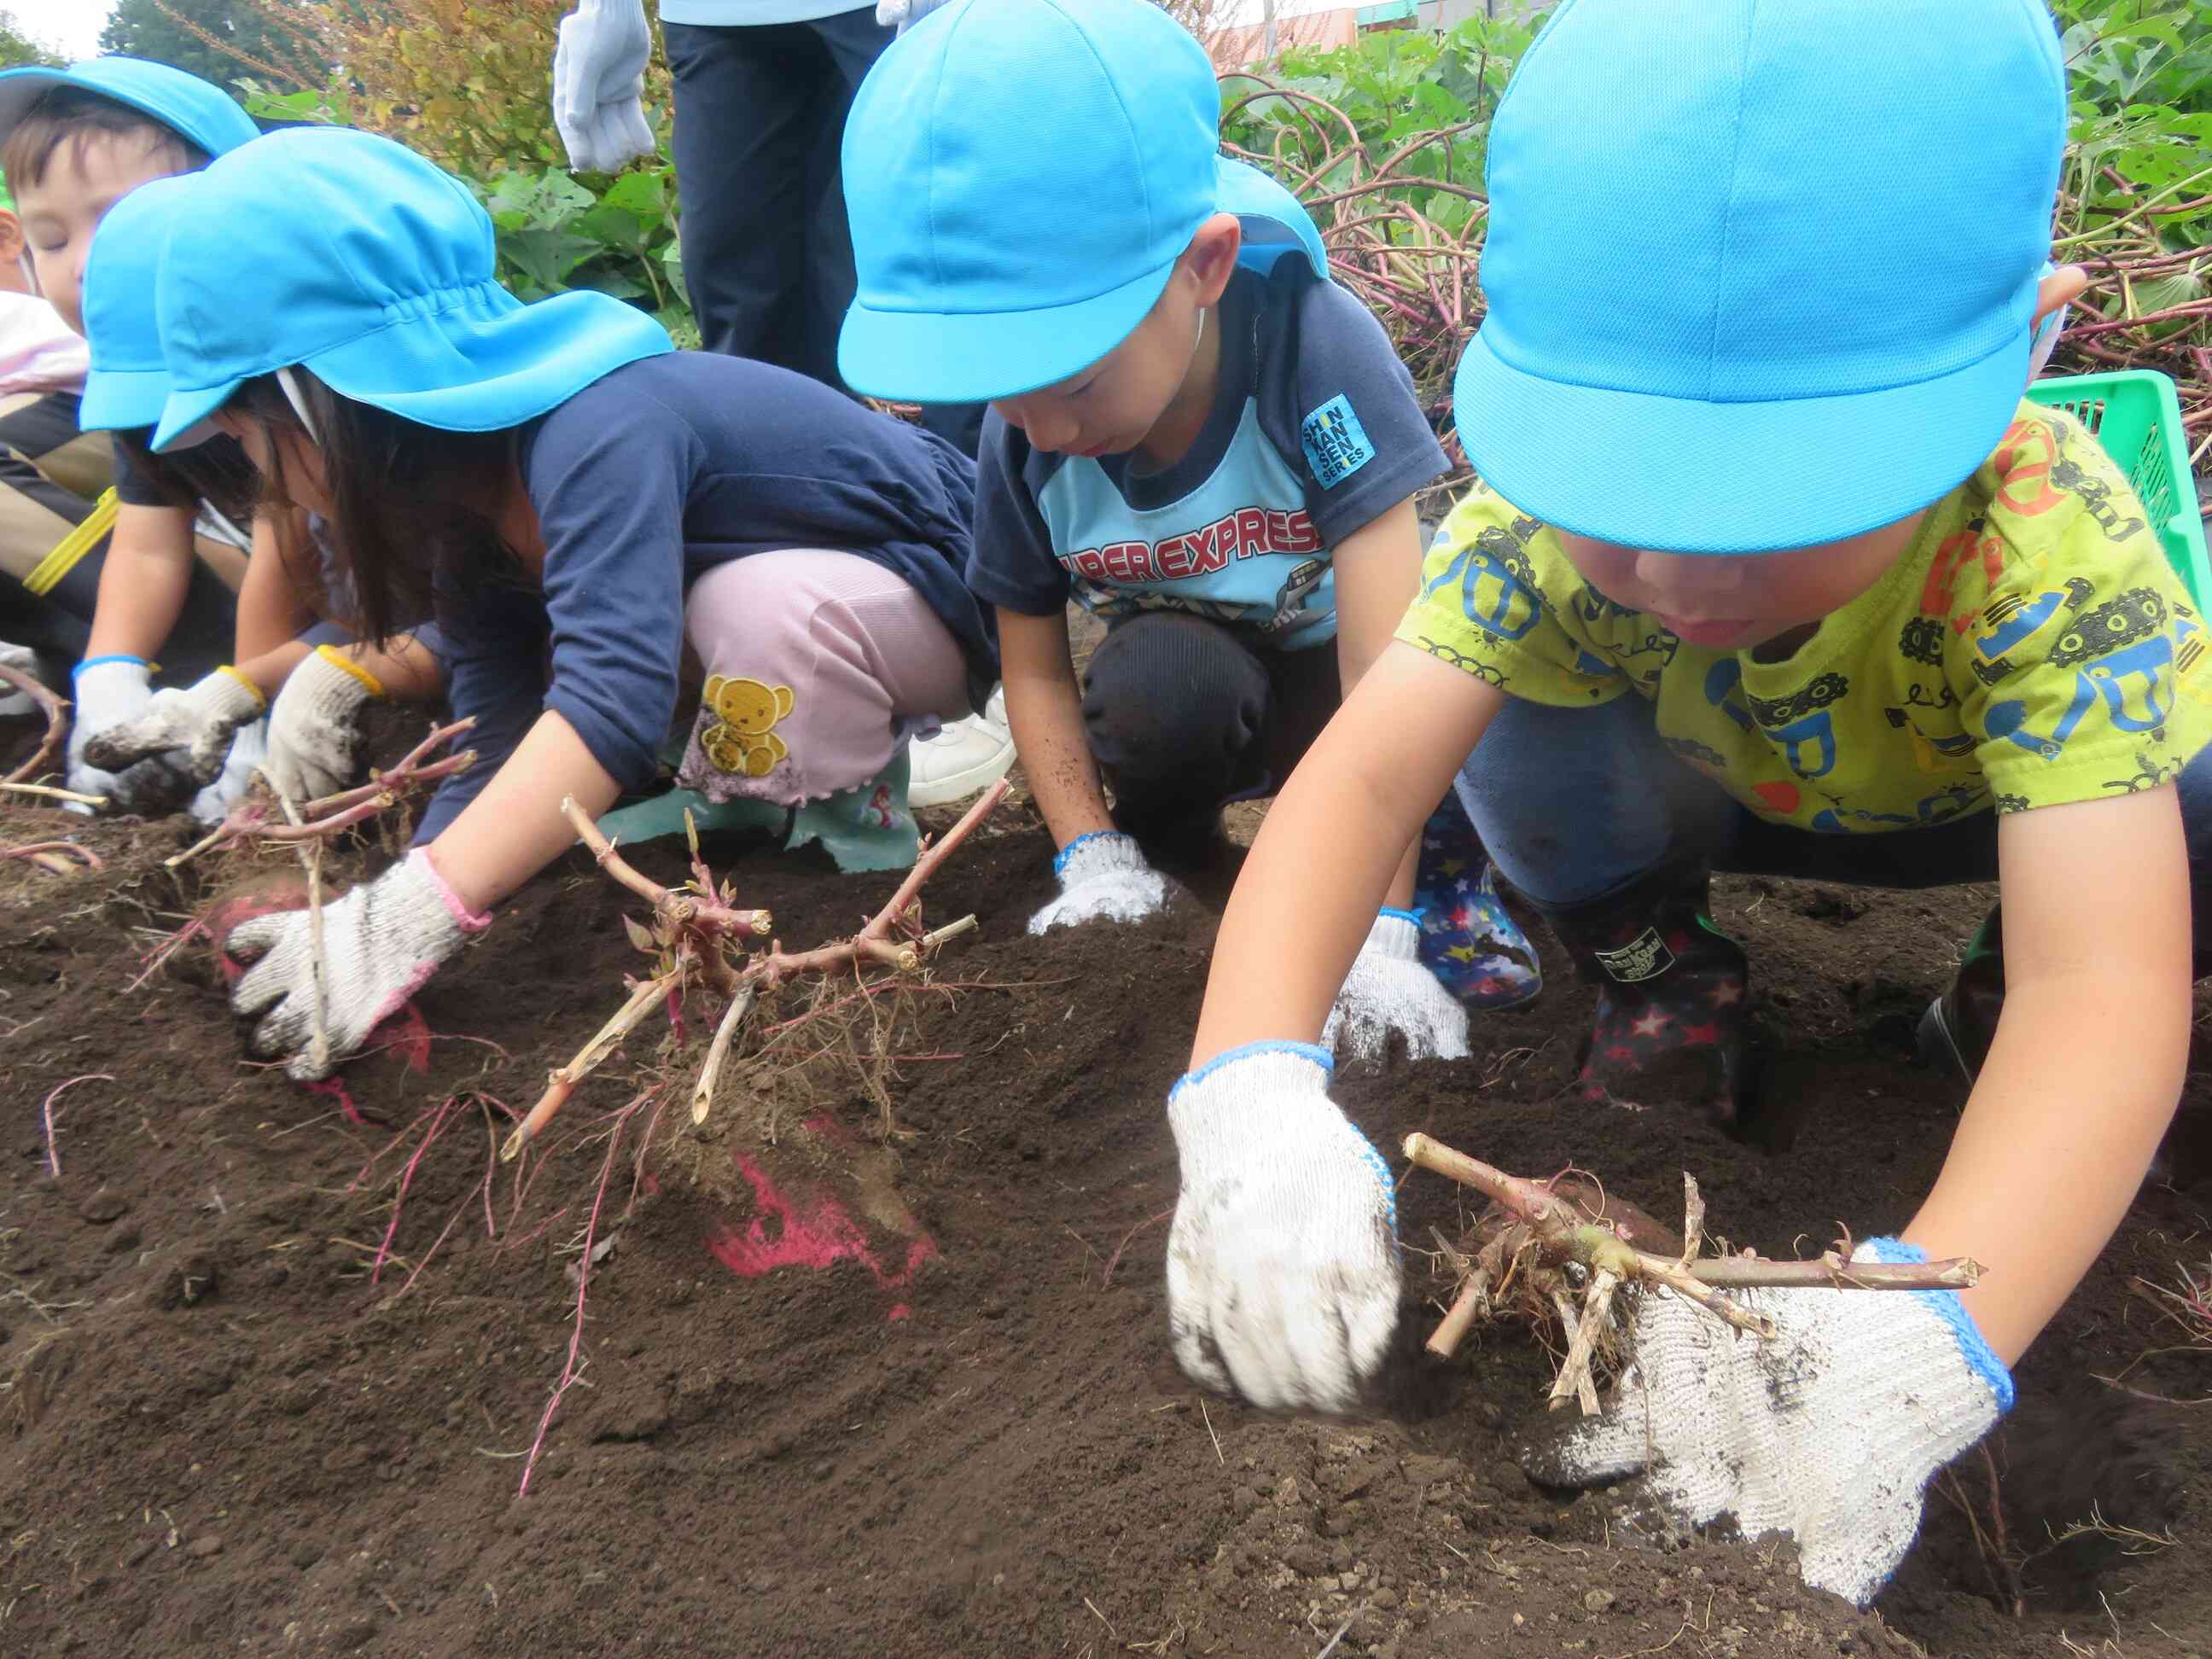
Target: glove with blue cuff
[(1283, 1258), (1829, 1431), (1102, 874), (1390, 990)]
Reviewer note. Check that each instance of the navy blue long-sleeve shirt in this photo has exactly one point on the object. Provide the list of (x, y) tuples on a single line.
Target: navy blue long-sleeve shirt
[(649, 477)]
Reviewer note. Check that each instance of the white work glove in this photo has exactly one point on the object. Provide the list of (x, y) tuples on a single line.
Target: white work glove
[(314, 727), (249, 752), (599, 85), (1828, 1431), (903, 15), (1283, 1258), (190, 728), (1102, 874), (380, 942), (16, 705), (1388, 990), (107, 692)]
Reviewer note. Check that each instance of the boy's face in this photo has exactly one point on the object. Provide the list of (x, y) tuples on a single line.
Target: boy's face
[(61, 212), (1734, 602), (1110, 407)]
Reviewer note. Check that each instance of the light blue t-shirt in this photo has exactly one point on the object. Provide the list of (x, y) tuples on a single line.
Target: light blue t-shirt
[(738, 14), (1314, 433)]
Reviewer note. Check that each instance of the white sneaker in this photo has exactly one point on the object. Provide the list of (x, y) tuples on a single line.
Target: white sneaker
[(964, 759)]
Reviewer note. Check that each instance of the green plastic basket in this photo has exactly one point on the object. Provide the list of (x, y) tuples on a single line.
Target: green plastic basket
[(2137, 419)]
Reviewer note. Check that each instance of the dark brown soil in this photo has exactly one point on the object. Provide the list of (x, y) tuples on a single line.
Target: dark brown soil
[(847, 1395)]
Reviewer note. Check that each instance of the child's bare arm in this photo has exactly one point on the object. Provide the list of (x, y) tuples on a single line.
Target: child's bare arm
[(273, 611), (2087, 1062), (1325, 856), (143, 582), (1378, 571), (1045, 709), (514, 827)]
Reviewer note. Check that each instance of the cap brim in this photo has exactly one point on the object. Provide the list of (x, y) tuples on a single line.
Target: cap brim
[(21, 87), (1674, 476), (1270, 215), (117, 399), (466, 370), (183, 411), (974, 357)]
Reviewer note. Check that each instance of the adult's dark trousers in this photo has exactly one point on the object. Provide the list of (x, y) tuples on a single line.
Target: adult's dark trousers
[(768, 253)]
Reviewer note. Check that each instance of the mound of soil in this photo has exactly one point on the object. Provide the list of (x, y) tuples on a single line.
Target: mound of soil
[(876, 1363)]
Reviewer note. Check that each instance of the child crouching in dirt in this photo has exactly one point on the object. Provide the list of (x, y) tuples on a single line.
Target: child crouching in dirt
[(74, 143), (1193, 432), (575, 500), (1773, 570), (312, 675)]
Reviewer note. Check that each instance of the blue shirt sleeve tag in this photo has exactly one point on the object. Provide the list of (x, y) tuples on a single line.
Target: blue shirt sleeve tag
[(1335, 443)]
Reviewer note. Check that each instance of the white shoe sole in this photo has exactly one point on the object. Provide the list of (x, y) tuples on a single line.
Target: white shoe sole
[(956, 787)]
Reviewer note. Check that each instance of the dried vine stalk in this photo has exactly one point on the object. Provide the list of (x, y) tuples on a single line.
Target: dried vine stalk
[(56, 721), (317, 820), (692, 934), (1560, 1232)]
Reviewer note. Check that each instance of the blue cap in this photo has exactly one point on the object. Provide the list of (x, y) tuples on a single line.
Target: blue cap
[(1021, 176), (198, 110), (351, 255), (128, 384), (1760, 276)]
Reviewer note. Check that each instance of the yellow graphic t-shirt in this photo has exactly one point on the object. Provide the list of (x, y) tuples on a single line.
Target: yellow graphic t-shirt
[(2032, 646)]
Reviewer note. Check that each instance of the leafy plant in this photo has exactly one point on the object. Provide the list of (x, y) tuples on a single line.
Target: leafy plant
[(556, 232), (468, 86)]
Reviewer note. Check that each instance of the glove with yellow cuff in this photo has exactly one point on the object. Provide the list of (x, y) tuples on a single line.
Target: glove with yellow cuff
[(314, 727), (190, 729)]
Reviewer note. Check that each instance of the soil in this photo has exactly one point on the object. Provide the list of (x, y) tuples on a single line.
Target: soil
[(876, 1363)]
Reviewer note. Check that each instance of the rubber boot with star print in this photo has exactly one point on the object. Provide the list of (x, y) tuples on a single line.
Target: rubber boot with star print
[(1672, 989), (1476, 951)]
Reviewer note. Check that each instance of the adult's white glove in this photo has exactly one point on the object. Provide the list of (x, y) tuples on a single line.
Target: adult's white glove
[(1283, 1257), (1388, 990), (107, 692), (190, 727), (1102, 874), (599, 85), (903, 15), (380, 942), (314, 727), (1829, 1431)]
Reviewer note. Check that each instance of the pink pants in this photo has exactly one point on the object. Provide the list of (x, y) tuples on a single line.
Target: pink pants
[(819, 666)]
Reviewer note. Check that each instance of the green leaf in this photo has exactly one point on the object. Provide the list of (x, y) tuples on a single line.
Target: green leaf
[(616, 286), (546, 257), (643, 196), (611, 227)]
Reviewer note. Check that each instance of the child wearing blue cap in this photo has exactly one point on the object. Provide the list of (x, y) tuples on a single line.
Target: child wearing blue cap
[(1771, 568), (311, 674), (1193, 433), (576, 503), (73, 143)]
